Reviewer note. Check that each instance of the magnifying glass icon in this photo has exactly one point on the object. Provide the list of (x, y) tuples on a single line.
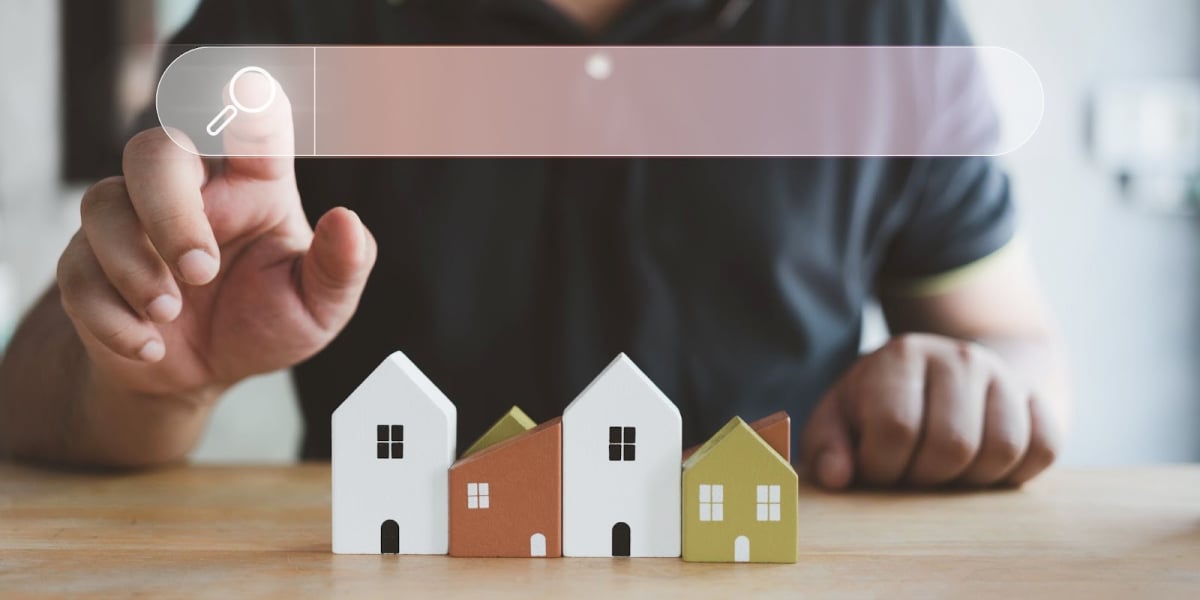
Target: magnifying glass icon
[(231, 110)]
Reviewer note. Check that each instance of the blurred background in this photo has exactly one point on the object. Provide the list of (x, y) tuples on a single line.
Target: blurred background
[(1109, 191)]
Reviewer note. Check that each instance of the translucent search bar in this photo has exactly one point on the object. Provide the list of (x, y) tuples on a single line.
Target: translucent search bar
[(616, 101)]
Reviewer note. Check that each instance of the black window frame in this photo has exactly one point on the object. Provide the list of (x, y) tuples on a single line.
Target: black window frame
[(622, 443), (389, 442)]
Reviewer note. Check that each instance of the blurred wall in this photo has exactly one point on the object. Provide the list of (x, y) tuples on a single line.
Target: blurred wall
[(1125, 283)]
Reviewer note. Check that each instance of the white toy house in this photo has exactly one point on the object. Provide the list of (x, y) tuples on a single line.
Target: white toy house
[(621, 474), (393, 444)]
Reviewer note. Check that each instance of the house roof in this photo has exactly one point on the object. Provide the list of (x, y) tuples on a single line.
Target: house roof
[(513, 423), (497, 450), (735, 427), (775, 429), (618, 376), (397, 367)]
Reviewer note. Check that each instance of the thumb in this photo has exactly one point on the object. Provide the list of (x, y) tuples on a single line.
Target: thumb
[(827, 451), (335, 269)]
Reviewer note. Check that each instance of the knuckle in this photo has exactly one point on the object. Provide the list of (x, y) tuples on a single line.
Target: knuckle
[(123, 338), (968, 352), (101, 196), (1006, 451), (905, 345), (133, 280), (69, 271), (167, 217), (955, 448), (1042, 455), (894, 429), (145, 144)]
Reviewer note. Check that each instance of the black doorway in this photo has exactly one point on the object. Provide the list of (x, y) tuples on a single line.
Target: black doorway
[(389, 537), (620, 539)]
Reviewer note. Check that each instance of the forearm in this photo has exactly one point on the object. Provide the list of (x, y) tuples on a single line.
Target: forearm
[(56, 408)]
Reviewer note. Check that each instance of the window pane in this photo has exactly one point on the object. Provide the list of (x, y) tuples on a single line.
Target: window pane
[(381, 450), (397, 433), (472, 501), (614, 435), (381, 433), (762, 493), (705, 512), (774, 512), (483, 489), (718, 512), (775, 493), (705, 492), (629, 452), (718, 493), (484, 502), (397, 449), (614, 452), (762, 512), (630, 435), (472, 489)]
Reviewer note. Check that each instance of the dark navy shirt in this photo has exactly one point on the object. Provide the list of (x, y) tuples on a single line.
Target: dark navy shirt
[(736, 284)]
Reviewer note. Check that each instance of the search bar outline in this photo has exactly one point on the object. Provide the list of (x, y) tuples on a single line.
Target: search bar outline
[(652, 101)]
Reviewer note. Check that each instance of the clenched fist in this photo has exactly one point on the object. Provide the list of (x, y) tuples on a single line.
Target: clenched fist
[(189, 274), (927, 410)]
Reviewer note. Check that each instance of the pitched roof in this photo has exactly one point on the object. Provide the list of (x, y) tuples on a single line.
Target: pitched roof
[(395, 367), (735, 427), (499, 448), (775, 429), (621, 370), (513, 423)]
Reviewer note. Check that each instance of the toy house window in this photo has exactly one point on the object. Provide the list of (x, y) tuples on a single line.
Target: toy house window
[(389, 441), (768, 502), (477, 496), (712, 502), (621, 443)]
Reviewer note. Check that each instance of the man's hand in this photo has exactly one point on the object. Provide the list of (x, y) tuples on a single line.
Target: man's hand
[(927, 410), (188, 274)]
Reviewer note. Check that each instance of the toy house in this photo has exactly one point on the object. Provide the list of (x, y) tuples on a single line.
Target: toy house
[(514, 422), (393, 442), (621, 476), (739, 500), (775, 429), (506, 497)]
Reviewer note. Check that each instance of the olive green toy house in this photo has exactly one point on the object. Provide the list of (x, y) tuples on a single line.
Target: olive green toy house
[(739, 500)]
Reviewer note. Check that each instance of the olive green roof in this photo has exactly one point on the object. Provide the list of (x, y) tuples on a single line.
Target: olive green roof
[(734, 424), (513, 423)]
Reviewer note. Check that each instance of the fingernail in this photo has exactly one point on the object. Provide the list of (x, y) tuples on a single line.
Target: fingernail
[(152, 351), (198, 267), (164, 308)]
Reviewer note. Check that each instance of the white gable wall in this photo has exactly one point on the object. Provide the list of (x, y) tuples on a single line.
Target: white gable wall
[(597, 492), (411, 491)]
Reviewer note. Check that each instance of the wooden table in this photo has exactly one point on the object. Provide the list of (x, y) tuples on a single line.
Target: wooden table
[(264, 532)]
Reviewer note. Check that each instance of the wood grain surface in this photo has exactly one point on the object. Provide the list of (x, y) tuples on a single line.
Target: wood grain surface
[(221, 532)]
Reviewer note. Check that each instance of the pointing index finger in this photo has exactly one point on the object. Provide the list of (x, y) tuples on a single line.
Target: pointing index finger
[(259, 140)]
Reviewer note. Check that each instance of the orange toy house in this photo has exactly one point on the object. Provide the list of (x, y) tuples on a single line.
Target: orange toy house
[(506, 500)]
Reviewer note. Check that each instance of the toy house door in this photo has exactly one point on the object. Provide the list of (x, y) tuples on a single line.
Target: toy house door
[(537, 545), (389, 537), (741, 549), (620, 539)]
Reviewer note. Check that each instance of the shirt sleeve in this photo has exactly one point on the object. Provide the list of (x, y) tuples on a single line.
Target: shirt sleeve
[(960, 210)]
